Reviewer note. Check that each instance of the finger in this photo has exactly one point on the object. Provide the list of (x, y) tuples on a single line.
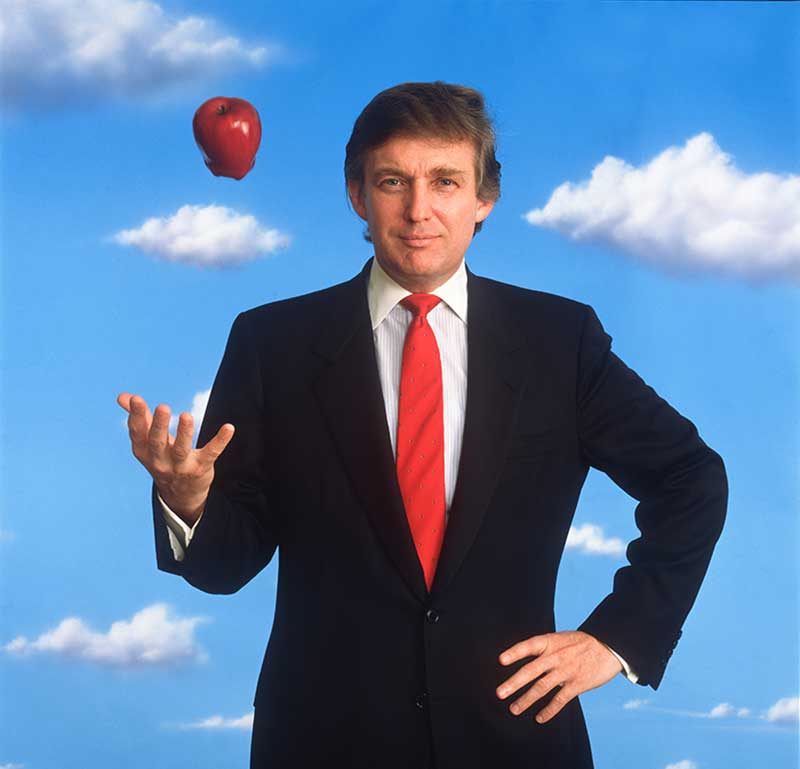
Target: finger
[(157, 435), (182, 445), (561, 698), (139, 420), (544, 685), (533, 646), (524, 675), (124, 400), (217, 444)]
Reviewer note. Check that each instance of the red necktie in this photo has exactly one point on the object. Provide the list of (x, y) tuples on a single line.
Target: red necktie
[(420, 435)]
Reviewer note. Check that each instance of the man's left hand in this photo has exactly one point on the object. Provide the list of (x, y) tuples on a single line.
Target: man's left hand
[(572, 659)]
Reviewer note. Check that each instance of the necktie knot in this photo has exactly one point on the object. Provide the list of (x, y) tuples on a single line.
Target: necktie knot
[(420, 304)]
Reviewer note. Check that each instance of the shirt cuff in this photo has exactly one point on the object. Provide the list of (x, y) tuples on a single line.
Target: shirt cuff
[(626, 668), (180, 533)]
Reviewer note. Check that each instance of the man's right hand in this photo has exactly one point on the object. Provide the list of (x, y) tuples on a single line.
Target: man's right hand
[(182, 474)]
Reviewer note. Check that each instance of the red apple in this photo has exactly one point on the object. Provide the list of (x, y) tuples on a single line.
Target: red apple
[(228, 132)]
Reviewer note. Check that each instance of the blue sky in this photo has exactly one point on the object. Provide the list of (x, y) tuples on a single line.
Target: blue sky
[(685, 242)]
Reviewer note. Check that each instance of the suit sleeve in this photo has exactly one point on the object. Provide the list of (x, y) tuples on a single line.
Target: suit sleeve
[(237, 534), (655, 454)]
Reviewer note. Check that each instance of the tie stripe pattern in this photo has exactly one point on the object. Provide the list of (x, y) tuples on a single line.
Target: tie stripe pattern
[(420, 435)]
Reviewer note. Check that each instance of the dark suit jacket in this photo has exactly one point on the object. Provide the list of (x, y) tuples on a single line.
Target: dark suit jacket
[(365, 668)]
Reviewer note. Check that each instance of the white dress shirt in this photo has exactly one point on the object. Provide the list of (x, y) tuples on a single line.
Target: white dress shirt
[(390, 321), (448, 321)]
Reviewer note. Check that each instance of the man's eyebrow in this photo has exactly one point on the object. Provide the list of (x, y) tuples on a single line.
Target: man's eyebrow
[(446, 171), (387, 171), (438, 171)]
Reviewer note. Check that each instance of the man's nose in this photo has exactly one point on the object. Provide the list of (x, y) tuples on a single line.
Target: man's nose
[(418, 206)]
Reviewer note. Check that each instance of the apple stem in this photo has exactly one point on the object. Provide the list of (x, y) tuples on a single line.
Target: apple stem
[(222, 109)]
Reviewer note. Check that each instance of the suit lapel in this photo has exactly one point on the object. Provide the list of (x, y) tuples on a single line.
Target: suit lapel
[(496, 374), (349, 393)]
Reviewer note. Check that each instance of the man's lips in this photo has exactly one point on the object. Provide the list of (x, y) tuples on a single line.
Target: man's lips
[(418, 240)]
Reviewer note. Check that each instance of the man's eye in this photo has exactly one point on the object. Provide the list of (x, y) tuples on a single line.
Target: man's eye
[(446, 182), (390, 182)]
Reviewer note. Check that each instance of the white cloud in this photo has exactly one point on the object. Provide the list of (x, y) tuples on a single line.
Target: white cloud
[(590, 539), (784, 711), (688, 207), (205, 236), (199, 403), (685, 764), (244, 723), (151, 637), (726, 710), (63, 52), (12, 766), (723, 710), (634, 704)]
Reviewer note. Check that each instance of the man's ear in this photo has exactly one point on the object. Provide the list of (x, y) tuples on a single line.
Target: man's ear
[(484, 208), (355, 190)]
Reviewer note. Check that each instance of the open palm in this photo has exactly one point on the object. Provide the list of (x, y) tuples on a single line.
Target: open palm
[(181, 473)]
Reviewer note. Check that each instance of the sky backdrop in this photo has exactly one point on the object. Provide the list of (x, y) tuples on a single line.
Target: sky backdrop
[(651, 168)]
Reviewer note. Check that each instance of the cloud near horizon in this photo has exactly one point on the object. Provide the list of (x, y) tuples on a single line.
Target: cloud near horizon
[(62, 53), (152, 637), (204, 236), (216, 723), (726, 710), (689, 208), (784, 711), (685, 764), (589, 539), (634, 704)]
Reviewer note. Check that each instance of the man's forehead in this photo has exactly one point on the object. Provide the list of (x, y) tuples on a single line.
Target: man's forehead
[(424, 153)]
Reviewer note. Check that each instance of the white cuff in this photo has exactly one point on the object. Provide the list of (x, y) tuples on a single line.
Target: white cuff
[(626, 668), (180, 534)]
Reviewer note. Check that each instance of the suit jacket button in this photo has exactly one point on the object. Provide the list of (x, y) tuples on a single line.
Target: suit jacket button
[(432, 615), (420, 701)]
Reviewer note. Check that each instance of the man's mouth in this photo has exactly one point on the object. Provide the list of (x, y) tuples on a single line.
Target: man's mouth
[(418, 240)]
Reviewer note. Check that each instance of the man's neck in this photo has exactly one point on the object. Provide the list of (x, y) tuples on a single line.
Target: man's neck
[(423, 285), (383, 292)]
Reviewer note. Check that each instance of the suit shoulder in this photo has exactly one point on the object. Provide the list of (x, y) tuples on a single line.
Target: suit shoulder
[(530, 302), (302, 304)]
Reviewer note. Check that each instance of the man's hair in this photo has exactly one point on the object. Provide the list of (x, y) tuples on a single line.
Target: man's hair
[(428, 110)]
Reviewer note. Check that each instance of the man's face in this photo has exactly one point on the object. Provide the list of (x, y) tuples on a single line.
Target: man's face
[(419, 197)]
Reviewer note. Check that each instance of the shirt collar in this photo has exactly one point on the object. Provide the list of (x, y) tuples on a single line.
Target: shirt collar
[(383, 293)]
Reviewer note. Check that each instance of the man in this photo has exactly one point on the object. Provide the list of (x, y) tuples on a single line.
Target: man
[(414, 440)]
